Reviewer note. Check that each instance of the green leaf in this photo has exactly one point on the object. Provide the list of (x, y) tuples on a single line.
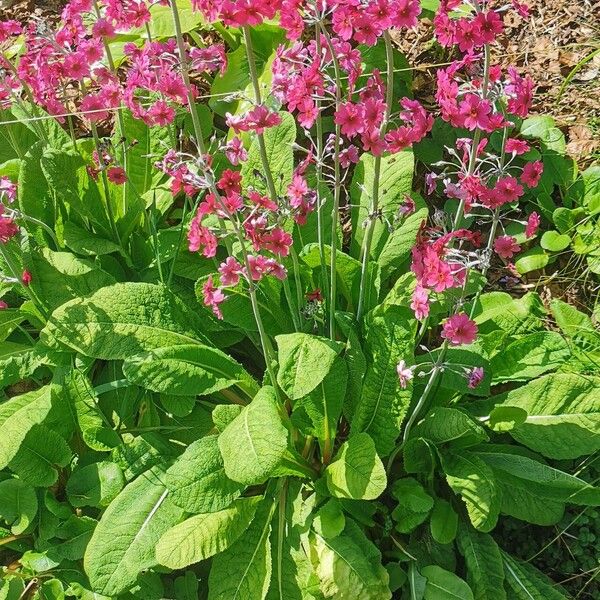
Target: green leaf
[(498, 310), (197, 482), (545, 481), (95, 428), (39, 453), (18, 504), (414, 504), (471, 478), (10, 318), (482, 556), (349, 566), (121, 320), (356, 471), (76, 533), (563, 415), (123, 543), (18, 416), (530, 356), (394, 183), (161, 22), (383, 405), (205, 535), (449, 426), (96, 484), (324, 405), (254, 442), (150, 141), (244, 570), (304, 361), (329, 521), (531, 260), (280, 157), (398, 247), (187, 370), (84, 242), (61, 276), (554, 241), (443, 585), (537, 126), (527, 583), (505, 418), (444, 522)]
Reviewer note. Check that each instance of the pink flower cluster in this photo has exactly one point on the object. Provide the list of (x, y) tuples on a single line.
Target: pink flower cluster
[(8, 227), (299, 83), (154, 82)]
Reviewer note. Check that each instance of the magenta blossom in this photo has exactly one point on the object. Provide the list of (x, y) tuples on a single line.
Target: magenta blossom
[(506, 246), (476, 376), (459, 329), (405, 374)]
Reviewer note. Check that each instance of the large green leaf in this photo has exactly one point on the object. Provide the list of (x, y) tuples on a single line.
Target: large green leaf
[(474, 481), (205, 535), (304, 361), (545, 481), (525, 582), (390, 338), (563, 414), (280, 157), (123, 543), (398, 247), (356, 471), (324, 404), (197, 481), (97, 484), (449, 426), (18, 504), (482, 556), (253, 444), (58, 277), (414, 504), (349, 566), (244, 570), (443, 585), (187, 370), (121, 320), (96, 429), (18, 416), (530, 356), (41, 451), (394, 183)]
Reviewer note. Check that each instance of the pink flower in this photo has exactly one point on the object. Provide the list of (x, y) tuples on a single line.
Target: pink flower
[(506, 246), (103, 28), (8, 189), (117, 175), (532, 173), (160, 113), (532, 224), (230, 271), (3, 305), (420, 303), (475, 112), (213, 297), (235, 151), (350, 117), (405, 374), (459, 329), (277, 241), (476, 376), (26, 278), (8, 228), (516, 147)]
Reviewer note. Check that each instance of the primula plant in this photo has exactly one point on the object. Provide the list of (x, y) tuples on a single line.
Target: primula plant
[(245, 352)]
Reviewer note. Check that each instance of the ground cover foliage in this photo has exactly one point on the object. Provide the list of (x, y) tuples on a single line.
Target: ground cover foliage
[(246, 350)]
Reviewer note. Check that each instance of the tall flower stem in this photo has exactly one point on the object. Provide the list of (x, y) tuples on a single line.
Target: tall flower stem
[(295, 308), (371, 217), (437, 370), (266, 345), (337, 184), (121, 121), (319, 170)]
